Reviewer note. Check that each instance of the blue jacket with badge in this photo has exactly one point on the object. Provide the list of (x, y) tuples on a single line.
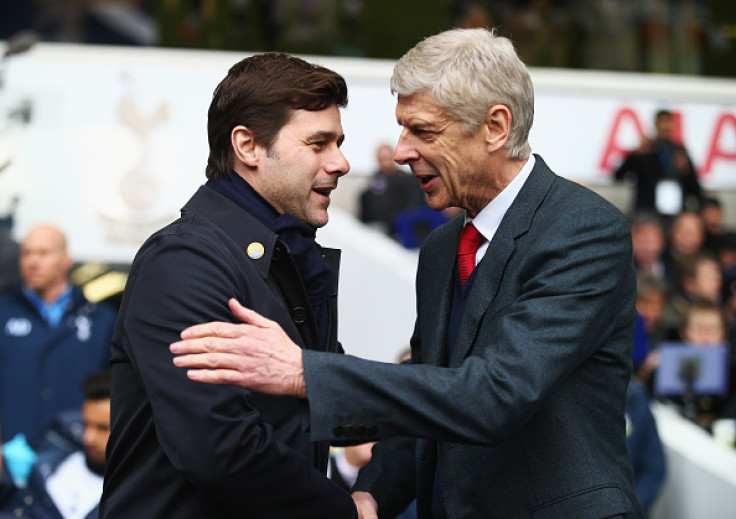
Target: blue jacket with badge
[(42, 367)]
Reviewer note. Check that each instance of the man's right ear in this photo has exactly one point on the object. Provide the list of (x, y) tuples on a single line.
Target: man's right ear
[(244, 145)]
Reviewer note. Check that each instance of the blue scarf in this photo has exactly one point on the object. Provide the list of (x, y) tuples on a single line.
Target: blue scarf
[(298, 236)]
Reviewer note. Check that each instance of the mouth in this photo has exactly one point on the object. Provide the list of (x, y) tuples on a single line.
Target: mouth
[(324, 191), (426, 182)]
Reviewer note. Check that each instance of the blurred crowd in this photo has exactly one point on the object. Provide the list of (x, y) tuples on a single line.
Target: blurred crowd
[(686, 294), (668, 36), (686, 265)]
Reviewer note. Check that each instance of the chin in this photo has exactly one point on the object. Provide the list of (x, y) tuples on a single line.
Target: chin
[(437, 205), (318, 220), (318, 223)]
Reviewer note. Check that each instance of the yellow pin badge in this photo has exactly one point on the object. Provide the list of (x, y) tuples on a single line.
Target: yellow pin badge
[(255, 250)]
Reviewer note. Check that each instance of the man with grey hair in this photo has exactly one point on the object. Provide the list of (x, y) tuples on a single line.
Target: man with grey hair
[(521, 351)]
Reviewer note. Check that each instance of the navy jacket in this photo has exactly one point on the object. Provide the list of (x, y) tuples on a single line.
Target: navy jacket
[(183, 449), (528, 419), (43, 368)]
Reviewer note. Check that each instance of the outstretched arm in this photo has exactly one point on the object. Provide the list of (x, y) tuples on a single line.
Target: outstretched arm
[(256, 355)]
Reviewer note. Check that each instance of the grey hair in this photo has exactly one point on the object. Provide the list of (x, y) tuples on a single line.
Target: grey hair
[(467, 71)]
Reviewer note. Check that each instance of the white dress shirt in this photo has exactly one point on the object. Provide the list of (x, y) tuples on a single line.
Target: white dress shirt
[(489, 218)]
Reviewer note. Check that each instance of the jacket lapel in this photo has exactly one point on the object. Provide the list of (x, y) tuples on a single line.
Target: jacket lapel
[(515, 223), (439, 276)]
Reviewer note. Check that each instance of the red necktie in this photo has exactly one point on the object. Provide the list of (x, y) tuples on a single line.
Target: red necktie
[(470, 239)]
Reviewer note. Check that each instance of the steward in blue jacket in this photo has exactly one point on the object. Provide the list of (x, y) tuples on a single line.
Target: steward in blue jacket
[(43, 366)]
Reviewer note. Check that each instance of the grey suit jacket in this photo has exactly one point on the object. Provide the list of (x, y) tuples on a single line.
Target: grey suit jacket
[(528, 419)]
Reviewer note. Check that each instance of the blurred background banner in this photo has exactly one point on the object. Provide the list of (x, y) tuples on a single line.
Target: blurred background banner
[(109, 142)]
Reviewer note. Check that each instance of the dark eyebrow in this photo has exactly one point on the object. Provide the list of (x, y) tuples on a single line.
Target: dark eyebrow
[(329, 136)]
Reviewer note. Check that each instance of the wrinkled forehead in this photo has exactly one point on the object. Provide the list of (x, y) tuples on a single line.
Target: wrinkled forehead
[(420, 108)]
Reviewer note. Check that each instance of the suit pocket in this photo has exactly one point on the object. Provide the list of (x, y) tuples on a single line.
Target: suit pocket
[(594, 503)]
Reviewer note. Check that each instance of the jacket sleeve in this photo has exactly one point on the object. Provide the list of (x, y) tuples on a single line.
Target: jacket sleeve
[(216, 436), (564, 300)]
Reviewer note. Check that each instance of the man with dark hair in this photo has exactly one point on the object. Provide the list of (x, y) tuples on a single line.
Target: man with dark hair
[(662, 171), (180, 449), (66, 479), (711, 212)]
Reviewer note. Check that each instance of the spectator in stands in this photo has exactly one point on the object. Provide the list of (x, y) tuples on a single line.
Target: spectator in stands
[(711, 213), (651, 301), (645, 447), (686, 239), (51, 338), (648, 243), (66, 479), (391, 191), (702, 279), (662, 171), (727, 250), (704, 326)]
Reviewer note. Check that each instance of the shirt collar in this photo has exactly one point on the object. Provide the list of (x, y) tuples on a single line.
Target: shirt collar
[(50, 312)]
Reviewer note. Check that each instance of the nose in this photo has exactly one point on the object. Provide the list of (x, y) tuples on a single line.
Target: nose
[(88, 437), (404, 152), (338, 165)]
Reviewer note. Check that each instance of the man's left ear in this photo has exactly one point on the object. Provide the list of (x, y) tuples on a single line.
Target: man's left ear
[(498, 126), (244, 145)]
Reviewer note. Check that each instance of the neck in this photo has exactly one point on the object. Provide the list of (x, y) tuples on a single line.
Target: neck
[(504, 173), (507, 172), (50, 295)]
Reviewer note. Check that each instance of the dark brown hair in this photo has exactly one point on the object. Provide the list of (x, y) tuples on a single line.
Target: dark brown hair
[(97, 385), (260, 93)]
